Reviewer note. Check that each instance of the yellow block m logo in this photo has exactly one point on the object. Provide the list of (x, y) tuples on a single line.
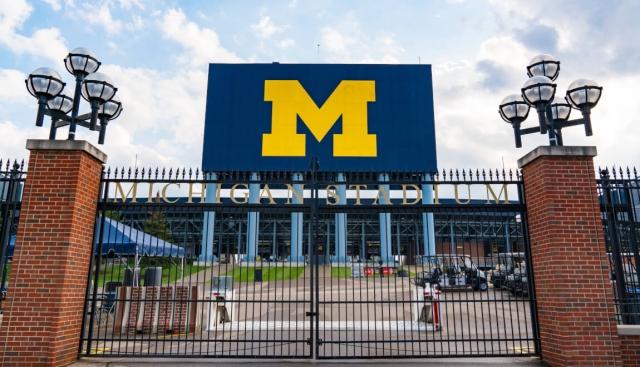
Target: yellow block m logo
[(290, 100)]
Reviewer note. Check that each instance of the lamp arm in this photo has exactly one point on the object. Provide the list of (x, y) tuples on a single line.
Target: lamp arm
[(61, 123), (530, 130), (574, 122), (76, 106)]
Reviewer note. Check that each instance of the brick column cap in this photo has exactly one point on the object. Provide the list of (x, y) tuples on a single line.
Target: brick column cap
[(82, 145), (564, 151)]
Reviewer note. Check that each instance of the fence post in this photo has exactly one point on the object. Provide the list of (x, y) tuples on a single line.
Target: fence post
[(45, 303), (575, 301)]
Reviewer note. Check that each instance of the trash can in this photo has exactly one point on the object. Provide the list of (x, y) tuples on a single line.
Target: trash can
[(257, 274), (131, 277), (153, 276)]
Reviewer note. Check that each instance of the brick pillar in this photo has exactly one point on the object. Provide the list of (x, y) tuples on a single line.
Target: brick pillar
[(573, 292), (43, 314)]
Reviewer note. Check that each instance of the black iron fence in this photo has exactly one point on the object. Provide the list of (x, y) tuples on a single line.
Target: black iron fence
[(12, 178), (619, 191), (315, 264)]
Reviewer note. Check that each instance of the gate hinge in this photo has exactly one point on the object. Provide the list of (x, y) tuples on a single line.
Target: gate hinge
[(311, 314)]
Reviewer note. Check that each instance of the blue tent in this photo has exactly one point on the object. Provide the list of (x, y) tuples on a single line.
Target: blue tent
[(12, 245), (123, 240)]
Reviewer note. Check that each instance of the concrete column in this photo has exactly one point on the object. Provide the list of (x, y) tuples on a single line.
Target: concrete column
[(253, 219), (385, 221), (42, 320), (428, 227), (209, 222), (574, 296), (340, 254), (297, 222)]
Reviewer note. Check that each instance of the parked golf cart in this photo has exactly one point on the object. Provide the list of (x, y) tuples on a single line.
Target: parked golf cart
[(506, 262), (517, 283), (452, 272)]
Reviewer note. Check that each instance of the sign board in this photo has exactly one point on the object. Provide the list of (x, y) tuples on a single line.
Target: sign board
[(275, 117)]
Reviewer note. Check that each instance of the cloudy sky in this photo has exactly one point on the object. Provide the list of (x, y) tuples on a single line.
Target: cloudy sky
[(157, 54)]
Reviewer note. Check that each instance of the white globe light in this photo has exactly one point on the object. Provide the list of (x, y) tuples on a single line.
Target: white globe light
[(584, 93), (98, 87), (60, 103), (560, 109), (544, 65), (111, 109), (44, 82), (81, 61), (513, 108), (538, 89)]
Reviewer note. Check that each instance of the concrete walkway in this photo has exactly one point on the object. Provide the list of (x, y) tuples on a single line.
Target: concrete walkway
[(451, 362)]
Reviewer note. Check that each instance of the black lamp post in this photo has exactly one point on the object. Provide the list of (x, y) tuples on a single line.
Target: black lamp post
[(553, 112), (46, 85)]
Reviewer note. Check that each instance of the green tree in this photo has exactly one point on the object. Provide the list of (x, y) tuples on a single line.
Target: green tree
[(157, 225)]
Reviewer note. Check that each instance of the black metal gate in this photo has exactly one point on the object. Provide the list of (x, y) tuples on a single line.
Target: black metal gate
[(619, 192), (317, 265), (11, 183)]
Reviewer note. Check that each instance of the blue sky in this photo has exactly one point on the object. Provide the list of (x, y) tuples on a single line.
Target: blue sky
[(157, 53)]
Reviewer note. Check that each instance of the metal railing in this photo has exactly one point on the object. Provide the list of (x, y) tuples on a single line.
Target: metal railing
[(296, 272), (12, 177), (619, 192)]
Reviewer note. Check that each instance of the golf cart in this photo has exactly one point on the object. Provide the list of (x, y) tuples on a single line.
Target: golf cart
[(517, 283), (506, 263), (452, 271)]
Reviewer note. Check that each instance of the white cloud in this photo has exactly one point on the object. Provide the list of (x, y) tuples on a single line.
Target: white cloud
[(265, 28), (13, 88), (286, 43), (345, 42), (45, 42), (18, 133), (163, 114), (54, 4), (129, 4), (102, 16), (203, 44)]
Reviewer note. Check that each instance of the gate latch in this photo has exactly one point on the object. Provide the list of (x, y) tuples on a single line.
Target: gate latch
[(311, 313)]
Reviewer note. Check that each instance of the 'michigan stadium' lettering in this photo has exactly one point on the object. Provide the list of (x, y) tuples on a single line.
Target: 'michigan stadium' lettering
[(238, 193)]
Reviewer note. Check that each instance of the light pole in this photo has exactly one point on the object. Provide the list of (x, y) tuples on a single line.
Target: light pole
[(553, 112), (46, 85)]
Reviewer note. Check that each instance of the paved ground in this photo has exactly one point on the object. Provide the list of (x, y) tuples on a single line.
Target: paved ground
[(449, 362)]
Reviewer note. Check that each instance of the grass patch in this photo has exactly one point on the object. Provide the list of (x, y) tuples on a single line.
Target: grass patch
[(170, 274), (341, 272), (247, 273)]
